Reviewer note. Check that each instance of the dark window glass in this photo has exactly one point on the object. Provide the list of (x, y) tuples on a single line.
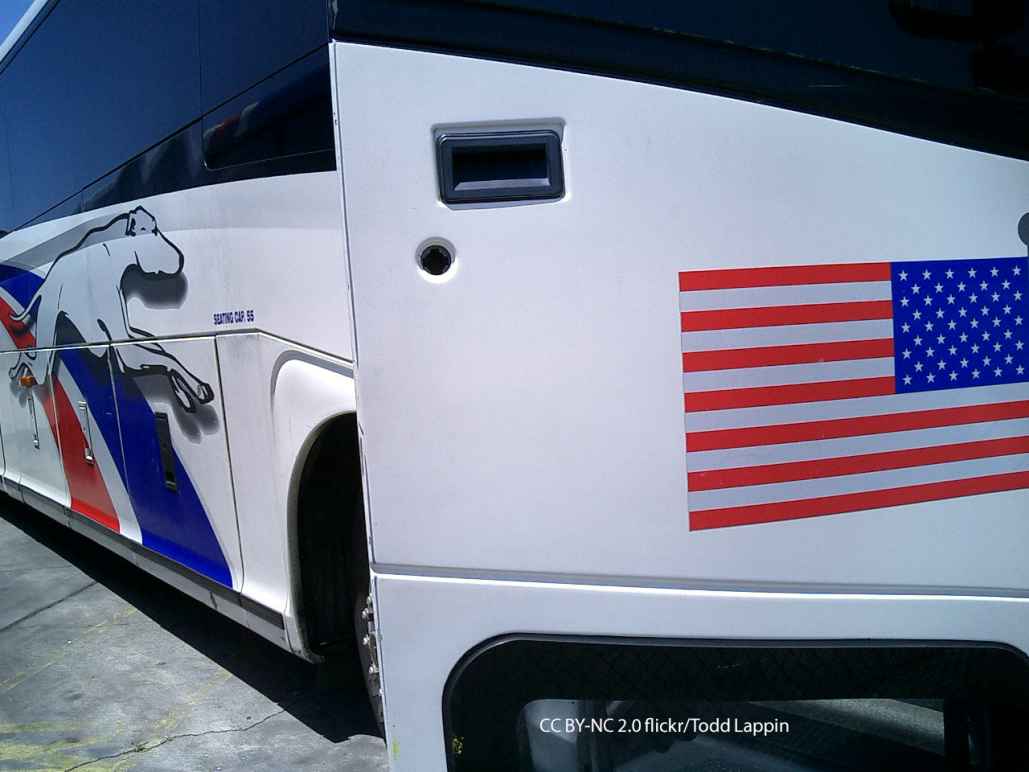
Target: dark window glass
[(244, 41), (955, 71), (545, 705), (6, 199), (174, 164), (288, 114), (949, 44), (71, 205), (97, 83)]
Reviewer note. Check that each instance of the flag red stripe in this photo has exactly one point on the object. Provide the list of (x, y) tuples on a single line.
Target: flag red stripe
[(732, 278), (845, 465), (719, 439), (756, 396), (776, 316), (794, 354), (852, 502)]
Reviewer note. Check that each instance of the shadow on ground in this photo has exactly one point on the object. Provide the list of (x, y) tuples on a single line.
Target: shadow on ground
[(329, 699)]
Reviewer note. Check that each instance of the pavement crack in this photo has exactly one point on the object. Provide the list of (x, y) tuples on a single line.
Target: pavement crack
[(48, 606), (146, 747)]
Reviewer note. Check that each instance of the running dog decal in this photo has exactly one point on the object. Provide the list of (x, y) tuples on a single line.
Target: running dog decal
[(131, 243)]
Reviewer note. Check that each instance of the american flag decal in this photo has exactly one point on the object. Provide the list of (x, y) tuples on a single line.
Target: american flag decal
[(817, 390)]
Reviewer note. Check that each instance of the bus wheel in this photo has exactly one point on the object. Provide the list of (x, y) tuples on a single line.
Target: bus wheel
[(364, 615)]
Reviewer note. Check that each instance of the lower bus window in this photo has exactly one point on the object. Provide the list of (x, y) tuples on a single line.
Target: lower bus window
[(535, 705), (797, 736)]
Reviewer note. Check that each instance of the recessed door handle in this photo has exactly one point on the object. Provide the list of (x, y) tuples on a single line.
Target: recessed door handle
[(87, 433), (35, 423), (499, 166)]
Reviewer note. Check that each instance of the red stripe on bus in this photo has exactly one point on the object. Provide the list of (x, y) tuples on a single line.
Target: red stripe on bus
[(86, 487), (749, 436), (777, 316), (790, 471), (20, 333), (757, 396), (853, 502), (95, 514), (734, 278), (800, 353)]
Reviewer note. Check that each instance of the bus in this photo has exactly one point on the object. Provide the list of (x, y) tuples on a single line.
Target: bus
[(624, 386)]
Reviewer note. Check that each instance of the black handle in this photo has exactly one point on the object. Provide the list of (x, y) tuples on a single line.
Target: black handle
[(499, 166), (165, 451)]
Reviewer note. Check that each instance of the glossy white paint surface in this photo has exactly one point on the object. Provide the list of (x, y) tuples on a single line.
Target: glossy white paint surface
[(273, 246), (24, 417), (526, 415)]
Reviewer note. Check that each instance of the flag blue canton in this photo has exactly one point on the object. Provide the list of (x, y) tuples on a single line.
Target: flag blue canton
[(960, 323)]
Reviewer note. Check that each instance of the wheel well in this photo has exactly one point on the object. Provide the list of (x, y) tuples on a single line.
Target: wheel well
[(328, 501)]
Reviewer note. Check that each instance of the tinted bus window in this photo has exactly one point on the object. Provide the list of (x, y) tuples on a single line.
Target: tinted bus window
[(288, 114), (6, 200), (97, 83), (276, 32), (953, 45), (955, 72), (545, 705)]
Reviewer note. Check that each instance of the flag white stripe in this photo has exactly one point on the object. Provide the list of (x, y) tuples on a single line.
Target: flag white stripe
[(786, 295), (736, 418), (842, 447), (1013, 431), (856, 483), (785, 335), (779, 375)]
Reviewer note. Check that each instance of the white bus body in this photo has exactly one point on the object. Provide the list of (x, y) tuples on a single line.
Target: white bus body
[(253, 376)]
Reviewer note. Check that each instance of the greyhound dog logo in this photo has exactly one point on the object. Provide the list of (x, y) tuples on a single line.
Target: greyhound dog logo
[(129, 245)]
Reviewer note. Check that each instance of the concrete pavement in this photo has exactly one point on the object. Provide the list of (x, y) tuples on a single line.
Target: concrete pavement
[(104, 668)]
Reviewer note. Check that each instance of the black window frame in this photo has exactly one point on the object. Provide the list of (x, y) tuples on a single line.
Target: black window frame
[(491, 684)]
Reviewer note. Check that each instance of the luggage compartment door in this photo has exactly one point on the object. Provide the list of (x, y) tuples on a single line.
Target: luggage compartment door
[(31, 443), (168, 395), (531, 356)]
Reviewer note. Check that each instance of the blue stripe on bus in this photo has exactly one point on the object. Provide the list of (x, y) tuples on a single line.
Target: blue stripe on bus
[(19, 283), (173, 523)]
